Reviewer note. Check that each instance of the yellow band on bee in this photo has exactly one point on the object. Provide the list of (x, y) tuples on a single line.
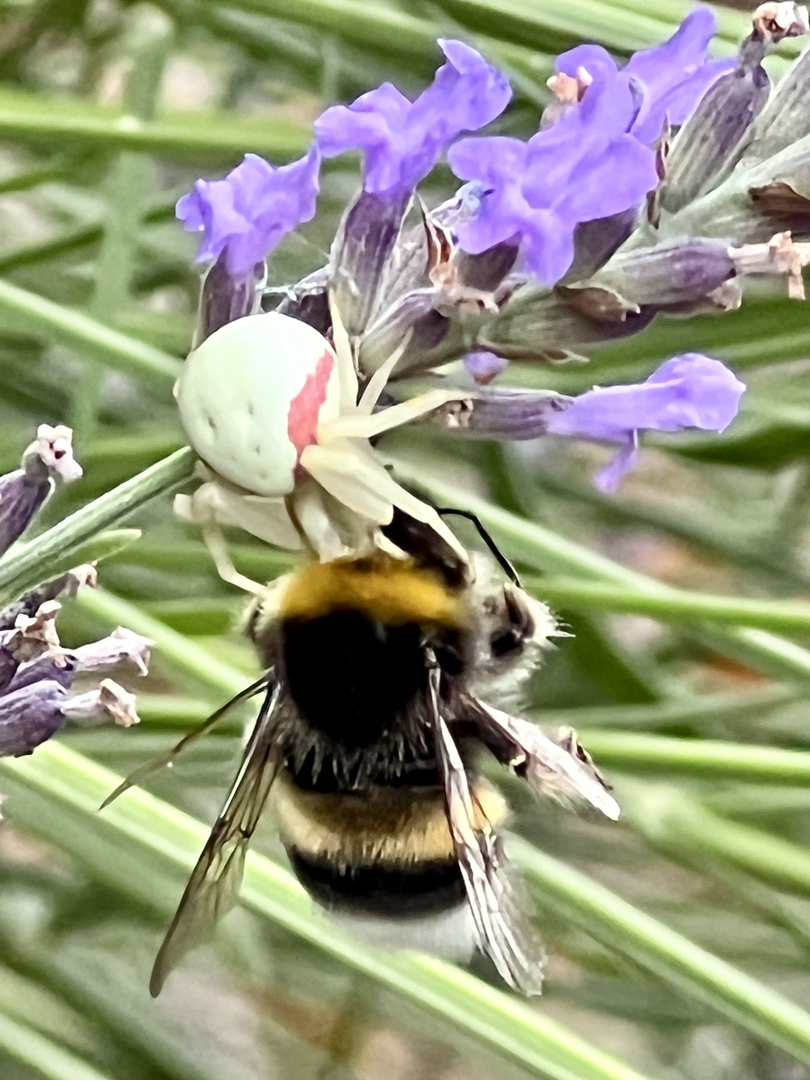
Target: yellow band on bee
[(391, 590), (382, 825)]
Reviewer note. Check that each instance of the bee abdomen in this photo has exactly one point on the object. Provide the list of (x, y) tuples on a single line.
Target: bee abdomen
[(384, 853), (380, 889)]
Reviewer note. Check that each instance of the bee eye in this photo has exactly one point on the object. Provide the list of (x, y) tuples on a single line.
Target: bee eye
[(505, 642)]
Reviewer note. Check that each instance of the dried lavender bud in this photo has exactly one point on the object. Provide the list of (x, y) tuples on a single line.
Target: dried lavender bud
[(515, 415), (225, 298), (66, 585), (122, 646), (24, 492), (710, 143), (109, 702), (29, 716), (786, 118), (674, 272), (543, 324)]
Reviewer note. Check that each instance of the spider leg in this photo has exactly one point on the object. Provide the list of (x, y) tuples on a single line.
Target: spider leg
[(357, 425), (377, 382), (347, 372), (218, 549)]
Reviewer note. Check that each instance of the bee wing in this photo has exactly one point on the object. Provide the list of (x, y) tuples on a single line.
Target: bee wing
[(213, 888), (502, 929), (141, 773), (561, 769)]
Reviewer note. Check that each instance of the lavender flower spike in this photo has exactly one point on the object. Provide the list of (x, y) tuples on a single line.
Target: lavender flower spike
[(402, 140), (23, 492), (690, 391)]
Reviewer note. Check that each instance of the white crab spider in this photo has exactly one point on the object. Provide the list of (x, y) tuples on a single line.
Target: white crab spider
[(272, 410)]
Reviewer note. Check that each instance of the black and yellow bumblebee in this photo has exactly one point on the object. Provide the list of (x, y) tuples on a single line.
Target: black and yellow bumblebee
[(380, 672)]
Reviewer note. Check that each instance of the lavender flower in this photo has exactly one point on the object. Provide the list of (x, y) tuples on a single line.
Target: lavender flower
[(585, 167), (246, 215), (690, 391), (24, 492), (402, 140), (668, 80)]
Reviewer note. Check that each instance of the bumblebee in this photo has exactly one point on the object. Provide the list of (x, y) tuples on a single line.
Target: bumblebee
[(382, 674)]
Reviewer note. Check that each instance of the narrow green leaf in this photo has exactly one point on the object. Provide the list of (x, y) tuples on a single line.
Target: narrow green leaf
[(39, 1053), (698, 757), (677, 605), (546, 550), (667, 816), (731, 992), (38, 557), (491, 1016), (87, 336), (61, 121), (98, 547)]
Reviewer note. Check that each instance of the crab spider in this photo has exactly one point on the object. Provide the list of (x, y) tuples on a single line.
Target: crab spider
[(275, 414)]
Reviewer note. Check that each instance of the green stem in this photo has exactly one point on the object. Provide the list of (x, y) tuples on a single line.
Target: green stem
[(210, 138), (668, 817), (32, 1049), (675, 605), (37, 558), (698, 757), (33, 313), (547, 551), (493, 1017), (668, 954)]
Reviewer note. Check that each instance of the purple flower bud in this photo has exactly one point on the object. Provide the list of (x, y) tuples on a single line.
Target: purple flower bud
[(245, 216), (484, 365), (402, 139), (585, 167), (23, 492), (670, 79), (690, 391)]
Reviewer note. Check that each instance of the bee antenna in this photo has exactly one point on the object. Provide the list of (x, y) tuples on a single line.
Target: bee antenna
[(502, 561)]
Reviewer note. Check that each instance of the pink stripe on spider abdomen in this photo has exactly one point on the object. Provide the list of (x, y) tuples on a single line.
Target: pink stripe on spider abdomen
[(302, 419)]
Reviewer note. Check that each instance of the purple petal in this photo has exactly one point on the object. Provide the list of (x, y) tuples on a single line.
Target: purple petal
[(678, 57), (670, 79), (403, 140), (583, 168), (687, 391), (246, 214), (609, 478), (592, 58), (690, 391)]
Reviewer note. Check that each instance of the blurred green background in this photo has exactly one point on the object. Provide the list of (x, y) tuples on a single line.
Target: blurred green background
[(679, 939)]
